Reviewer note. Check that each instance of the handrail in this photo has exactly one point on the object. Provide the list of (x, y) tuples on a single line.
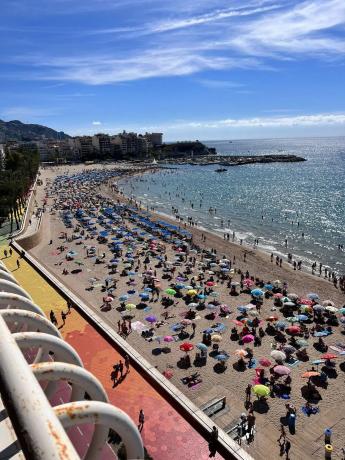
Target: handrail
[(36, 423)]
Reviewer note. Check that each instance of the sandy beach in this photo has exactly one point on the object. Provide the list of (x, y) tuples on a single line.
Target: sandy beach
[(215, 382)]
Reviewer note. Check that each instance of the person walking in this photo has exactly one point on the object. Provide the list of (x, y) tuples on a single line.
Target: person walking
[(5, 253), (10, 251), (141, 420), (18, 264), (212, 445), (248, 393), (251, 424)]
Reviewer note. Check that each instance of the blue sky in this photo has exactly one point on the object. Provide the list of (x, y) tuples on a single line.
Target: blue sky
[(206, 69)]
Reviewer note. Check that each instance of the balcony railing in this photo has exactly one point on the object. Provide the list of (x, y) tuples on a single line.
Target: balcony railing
[(43, 385)]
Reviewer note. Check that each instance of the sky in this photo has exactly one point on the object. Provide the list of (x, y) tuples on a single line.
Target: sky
[(192, 69)]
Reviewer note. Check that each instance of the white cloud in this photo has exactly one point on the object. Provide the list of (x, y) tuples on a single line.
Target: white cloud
[(96, 123), (202, 36), (261, 122)]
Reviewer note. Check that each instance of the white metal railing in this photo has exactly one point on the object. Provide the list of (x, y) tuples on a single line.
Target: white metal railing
[(28, 379)]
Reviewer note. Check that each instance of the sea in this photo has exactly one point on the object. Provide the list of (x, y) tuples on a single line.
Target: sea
[(303, 203)]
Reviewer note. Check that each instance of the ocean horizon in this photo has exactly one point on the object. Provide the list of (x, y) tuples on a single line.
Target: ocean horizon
[(303, 203)]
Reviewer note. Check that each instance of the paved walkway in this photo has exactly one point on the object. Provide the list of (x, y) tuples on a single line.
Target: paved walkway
[(166, 434)]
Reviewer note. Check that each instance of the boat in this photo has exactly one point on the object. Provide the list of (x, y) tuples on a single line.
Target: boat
[(220, 170)]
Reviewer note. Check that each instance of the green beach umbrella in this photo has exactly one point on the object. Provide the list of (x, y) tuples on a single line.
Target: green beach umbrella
[(170, 291), (261, 390)]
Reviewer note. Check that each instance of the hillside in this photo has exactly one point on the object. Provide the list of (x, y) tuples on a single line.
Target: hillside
[(16, 130)]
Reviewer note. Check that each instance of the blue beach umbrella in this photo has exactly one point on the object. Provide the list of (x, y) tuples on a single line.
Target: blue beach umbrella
[(222, 357), (201, 346), (257, 293), (302, 317), (313, 296), (123, 297)]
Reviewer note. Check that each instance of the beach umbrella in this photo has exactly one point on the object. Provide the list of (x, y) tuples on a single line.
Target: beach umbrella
[(248, 338), (278, 295), (211, 306), (248, 282), (269, 287), (235, 283), (277, 283), (210, 283), (289, 304), (281, 325), (179, 286), (309, 374), (208, 330), (328, 303), (238, 323), (222, 357), (306, 309), (216, 338), (292, 319), (130, 306), (170, 291), (253, 313), (302, 317), (313, 296), (293, 330), (123, 298), (144, 296), (293, 297), (318, 307), (147, 289), (261, 390), (318, 361), (186, 346), (186, 322), (305, 301), (191, 292), (241, 353), (168, 338), (257, 293), (201, 346), (151, 319), (131, 292), (289, 349), (329, 356), (201, 296), (342, 311), (108, 299), (272, 318), (342, 319), (281, 370), (331, 309), (265, 362), (278, 355), (302, 343), (214, 294), (192, 305)]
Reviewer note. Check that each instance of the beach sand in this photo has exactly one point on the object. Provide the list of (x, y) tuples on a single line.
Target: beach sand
[(308, 441)]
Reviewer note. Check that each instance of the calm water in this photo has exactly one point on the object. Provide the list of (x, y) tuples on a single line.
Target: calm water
[(263, 201)]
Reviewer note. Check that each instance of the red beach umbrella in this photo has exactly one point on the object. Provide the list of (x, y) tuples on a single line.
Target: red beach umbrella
[(293, 330), (186, 346), (238, 323), (265, 362), (329, 356)]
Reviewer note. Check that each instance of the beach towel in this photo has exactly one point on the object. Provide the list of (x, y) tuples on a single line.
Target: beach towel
[(293, 363), (284, 396), (146, 309), (322, 333), (337, 349), (138, 326), (253, 364), (310, 411)]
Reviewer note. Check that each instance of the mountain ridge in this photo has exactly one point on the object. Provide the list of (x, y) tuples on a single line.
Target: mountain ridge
[(18, 131)]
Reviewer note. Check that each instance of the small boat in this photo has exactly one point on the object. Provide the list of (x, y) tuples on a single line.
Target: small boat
[(220, 170)]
